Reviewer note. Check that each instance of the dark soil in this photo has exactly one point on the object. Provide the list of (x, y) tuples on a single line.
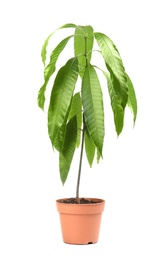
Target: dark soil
[(77, 201)]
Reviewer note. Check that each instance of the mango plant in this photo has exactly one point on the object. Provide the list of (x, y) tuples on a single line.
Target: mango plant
[(75, 115)]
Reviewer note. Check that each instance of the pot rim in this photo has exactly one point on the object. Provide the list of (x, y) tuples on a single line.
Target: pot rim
[(87, 208), (99, 201)]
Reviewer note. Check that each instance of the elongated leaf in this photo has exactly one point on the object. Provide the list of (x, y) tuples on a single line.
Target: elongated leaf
[(60, 136), (66, 155), (115, 66), (92, 101), (44, 48), (132, 101), (89, 148), (76, 110), (61, 96), (83, 44), (117, 108), (50, 69)]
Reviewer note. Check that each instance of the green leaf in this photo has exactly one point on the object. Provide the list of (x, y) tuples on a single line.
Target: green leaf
[(132, 101), (117, 108), (92, 101), (68, 25), (50, 69), (76, 110), (83, 44), (59, 139), (89, 148), (61, 96), (114, 65), (60, 136), (66, 155), (98, 156), (44, 48)]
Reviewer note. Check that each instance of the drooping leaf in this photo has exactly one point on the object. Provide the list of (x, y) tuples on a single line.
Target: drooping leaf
[(66, 155), (117, 108), (60, 136), (132, 101), (68, 25), (114, 65), (92, 101), (61, 96), (83, 44), (50, 69), (89, 149), (44, 48), (76, 110)]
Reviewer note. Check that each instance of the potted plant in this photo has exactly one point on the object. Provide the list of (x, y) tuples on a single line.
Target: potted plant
[(76, 117)]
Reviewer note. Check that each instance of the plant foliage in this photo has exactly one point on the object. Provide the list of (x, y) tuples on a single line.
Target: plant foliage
[(79, 108)]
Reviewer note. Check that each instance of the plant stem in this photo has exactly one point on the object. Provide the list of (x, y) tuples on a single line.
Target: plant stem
[(80, 164), (83, 133)]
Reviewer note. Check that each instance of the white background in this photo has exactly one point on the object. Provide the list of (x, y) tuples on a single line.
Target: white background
[(131, 178)]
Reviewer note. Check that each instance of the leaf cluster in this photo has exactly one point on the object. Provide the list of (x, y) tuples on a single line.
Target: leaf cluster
[(72, 110)]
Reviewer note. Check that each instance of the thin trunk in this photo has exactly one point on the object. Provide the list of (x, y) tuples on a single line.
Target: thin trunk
[(80, 165)]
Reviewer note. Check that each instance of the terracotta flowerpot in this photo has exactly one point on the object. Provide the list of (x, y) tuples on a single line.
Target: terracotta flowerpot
[(80, 223)]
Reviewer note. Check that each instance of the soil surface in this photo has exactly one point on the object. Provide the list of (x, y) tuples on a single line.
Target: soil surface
[(77, 201)]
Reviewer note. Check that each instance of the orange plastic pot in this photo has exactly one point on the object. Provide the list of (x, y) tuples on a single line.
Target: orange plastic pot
[(80, 223)]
